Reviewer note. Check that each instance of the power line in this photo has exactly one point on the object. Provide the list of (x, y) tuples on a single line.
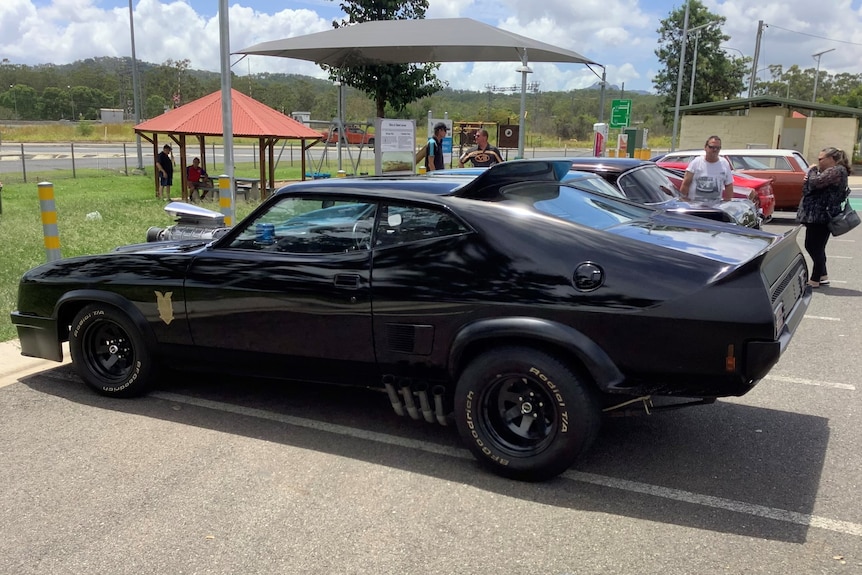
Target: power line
[(815, 35)]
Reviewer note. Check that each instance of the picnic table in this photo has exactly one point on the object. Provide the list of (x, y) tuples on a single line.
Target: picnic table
[(248, 187)]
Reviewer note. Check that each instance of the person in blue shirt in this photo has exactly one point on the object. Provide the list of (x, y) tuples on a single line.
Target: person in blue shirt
[(434, 159)]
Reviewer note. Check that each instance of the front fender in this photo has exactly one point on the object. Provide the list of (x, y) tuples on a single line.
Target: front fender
[(600, 366), (70, 302)]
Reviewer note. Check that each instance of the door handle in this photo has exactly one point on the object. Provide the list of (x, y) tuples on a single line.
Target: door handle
[(347, 281)]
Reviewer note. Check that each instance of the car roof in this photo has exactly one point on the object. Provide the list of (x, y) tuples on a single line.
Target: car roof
[(738, 151), (485, 185), (619, 163)]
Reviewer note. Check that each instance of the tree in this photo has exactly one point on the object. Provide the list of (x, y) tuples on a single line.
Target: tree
[(718, 76), (393, 84)]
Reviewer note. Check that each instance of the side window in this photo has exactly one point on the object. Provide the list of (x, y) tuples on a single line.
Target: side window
[(782, 164), (400, 224), (753, 162), (802, 164), (310, 225)]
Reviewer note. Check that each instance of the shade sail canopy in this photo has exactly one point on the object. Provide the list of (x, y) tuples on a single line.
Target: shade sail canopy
[(413, 41)]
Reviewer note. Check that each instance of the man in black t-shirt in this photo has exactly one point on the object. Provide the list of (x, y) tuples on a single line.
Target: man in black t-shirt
[(482, 154), (165, 165)]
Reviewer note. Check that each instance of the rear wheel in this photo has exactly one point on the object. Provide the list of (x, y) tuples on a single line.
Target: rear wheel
[(524, 413), (109, 353), (371, 143)]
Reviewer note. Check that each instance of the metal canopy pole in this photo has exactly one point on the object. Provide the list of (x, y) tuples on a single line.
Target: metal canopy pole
[(226, 106), (136, 88)]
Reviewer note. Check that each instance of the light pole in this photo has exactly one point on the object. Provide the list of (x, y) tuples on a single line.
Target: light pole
[(741, 56), (817, 73), (696, 29), (136, 96), (14, 99)]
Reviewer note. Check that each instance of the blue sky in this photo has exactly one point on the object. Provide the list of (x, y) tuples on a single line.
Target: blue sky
[(618, 33)]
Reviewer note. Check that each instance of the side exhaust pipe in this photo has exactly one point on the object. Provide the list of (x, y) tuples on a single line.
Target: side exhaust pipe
[(389, 384), (407, 394), (438, 391), (424, 404), (401, 392)]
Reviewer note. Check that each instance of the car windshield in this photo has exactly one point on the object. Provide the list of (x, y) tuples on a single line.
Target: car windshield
[(646, 185), (567, 202), (309, 225), (592, 183)]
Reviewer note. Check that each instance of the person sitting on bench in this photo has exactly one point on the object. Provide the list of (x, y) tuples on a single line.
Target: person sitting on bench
[(197, 178)]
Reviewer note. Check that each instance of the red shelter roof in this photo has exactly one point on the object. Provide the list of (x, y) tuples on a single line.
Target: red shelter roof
[(251, 119)]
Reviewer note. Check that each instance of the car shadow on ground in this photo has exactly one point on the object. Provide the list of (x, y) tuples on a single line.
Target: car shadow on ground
[(758, 457)]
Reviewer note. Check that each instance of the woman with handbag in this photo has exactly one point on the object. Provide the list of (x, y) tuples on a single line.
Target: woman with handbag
[(823, 192)]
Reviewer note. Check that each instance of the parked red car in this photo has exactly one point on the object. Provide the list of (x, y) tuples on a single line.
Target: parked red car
[(787, 168), (354, 136), (743, 185)]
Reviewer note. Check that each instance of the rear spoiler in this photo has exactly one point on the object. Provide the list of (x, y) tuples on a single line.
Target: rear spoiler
[(487, 185)]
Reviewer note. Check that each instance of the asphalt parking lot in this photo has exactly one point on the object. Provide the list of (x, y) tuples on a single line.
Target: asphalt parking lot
[(222, 475)]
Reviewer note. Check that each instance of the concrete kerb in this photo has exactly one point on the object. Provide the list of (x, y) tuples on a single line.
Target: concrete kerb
[(14, 366)]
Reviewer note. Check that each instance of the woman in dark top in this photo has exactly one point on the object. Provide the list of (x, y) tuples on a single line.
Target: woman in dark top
[(823, 192)]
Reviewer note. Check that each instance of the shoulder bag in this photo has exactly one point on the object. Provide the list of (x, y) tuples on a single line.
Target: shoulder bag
[(844, 221)]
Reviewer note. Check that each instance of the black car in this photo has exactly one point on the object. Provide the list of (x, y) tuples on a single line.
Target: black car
[(515, 304), (644, 182)]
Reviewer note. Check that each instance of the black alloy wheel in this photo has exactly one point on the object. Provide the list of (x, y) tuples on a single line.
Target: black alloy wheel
[(524, 413), (109, 353)]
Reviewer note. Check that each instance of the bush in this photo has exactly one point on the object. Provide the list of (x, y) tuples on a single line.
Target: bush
[(84, 128)]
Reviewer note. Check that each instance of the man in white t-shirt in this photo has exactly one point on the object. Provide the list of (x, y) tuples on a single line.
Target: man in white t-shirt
[(710, 174)]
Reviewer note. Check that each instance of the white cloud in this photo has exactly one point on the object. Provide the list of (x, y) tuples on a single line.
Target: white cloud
[(620, 34)]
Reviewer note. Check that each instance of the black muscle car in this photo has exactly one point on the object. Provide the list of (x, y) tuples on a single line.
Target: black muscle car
[(516, 305)]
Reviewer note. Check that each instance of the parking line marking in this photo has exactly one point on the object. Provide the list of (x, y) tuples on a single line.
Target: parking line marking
[(823, 317), (785, 516), (312, 424), (804, 519), (814, 382)]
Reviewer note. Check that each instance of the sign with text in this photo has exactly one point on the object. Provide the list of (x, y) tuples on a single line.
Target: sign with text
[(621, 112), (395, 146)]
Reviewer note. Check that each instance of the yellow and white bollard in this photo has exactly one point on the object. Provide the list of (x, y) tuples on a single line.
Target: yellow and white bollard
[(49, 221), (224, 199)]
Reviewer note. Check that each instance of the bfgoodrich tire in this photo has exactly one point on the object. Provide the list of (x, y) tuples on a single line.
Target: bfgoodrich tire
[(109, 353), (524, 413)]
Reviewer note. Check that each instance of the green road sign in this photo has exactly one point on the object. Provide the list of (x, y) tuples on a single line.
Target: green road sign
[(621, 112)]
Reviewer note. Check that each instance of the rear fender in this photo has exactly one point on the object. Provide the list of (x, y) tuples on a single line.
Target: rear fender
[(599, 365)]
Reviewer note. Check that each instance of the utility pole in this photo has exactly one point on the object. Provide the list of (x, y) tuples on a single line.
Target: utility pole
[(679, 79), (760, 26)]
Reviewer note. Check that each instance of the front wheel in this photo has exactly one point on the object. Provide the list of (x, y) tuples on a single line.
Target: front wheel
[(524, 414), (109, 353)]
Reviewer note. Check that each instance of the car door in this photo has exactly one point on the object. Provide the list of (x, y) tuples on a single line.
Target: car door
[(426, 280), (786, 174), (290, 291)]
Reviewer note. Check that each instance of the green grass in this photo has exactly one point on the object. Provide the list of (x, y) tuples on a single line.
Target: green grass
[(126, 206)]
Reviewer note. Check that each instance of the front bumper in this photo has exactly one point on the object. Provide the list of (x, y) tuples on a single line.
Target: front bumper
[(38, 336)]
